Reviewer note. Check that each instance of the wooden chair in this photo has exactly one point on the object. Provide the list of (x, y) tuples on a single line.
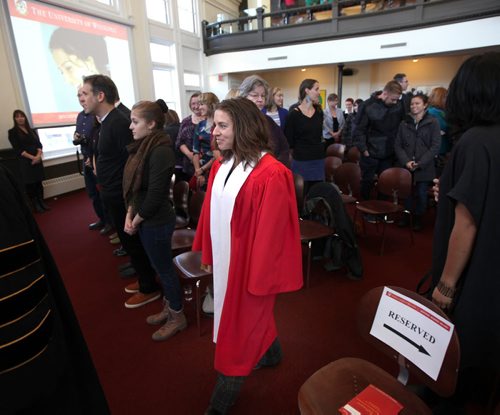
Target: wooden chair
[(336, 149), (394, 182), (310, 230), (353, 155), (180, 198), (182, 239), (331, 165), (348, 179), (188, 268), (337, 383)]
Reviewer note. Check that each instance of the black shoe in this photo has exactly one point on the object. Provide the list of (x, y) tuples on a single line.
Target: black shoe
[(127, 272), (404, 221), (96, 225), (417, 224), (37, 207), (124, 266), (43, 205), (107, 229), (120, 252)]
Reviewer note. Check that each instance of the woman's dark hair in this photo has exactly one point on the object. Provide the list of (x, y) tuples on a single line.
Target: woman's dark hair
[(171, 117), (305, 84), (83, 45), (27, 123), (474, 93), (150, 111), (422, 96), (250, 128), (163, 105)]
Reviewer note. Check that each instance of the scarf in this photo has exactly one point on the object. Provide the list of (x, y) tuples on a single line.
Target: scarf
[(138, 152)]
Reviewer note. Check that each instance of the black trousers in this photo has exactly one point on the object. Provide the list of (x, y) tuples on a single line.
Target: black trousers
[(227, 388), (115, 207)]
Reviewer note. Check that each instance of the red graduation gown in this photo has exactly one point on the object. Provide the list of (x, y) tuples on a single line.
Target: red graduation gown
[(266, 259)]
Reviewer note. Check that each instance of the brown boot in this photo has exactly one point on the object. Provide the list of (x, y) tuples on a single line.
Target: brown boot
[(176, 322), (161, 317)]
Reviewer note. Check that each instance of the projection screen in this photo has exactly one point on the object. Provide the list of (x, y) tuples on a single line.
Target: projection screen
[(56, 48)]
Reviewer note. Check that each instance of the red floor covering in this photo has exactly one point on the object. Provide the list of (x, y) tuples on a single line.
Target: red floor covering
[(139, 376)]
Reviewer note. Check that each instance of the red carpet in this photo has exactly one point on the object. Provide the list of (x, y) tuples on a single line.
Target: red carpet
[(139, 376)]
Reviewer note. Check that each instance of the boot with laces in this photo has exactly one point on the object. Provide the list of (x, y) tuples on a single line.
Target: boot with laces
[(175, 323), (161, 317)]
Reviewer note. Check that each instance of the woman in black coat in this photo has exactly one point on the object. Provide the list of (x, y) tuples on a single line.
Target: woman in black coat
[(417, 143), (26, 143)]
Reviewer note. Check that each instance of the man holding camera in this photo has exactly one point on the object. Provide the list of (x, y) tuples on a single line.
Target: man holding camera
[(87, 128)]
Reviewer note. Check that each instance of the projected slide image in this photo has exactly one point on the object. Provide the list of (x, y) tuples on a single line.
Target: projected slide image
[(57, 48)]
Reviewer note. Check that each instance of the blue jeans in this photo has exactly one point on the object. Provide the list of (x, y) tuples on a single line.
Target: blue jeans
[(91, 187), (418, 198), (157, 242)]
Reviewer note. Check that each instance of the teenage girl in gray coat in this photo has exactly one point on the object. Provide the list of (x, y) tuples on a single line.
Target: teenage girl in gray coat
[(417, 143)]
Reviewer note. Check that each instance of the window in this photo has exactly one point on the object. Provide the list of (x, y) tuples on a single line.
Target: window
[(161, 53), (188, 15), (157, 10), (192, 79), (165, 86)]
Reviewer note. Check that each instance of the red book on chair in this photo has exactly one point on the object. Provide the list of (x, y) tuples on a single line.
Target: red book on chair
[(371, 401)]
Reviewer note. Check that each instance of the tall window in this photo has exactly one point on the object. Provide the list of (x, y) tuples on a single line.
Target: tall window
[(158, 10), (165, 73), (192, 79), (188, 15)]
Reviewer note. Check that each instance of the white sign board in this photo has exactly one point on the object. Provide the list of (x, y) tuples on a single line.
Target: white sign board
[(413, 330)]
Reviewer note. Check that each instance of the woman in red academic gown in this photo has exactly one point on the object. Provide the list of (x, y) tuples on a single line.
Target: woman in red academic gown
[(249, 233)]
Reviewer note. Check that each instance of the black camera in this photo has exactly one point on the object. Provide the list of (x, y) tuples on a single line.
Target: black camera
[(80, 140)]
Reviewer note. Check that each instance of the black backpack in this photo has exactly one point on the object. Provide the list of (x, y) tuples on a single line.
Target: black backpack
[(324, 204)]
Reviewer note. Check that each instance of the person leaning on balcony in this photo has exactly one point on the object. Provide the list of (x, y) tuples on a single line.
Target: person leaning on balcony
[(256, 90), (184, 169), (465, 270)]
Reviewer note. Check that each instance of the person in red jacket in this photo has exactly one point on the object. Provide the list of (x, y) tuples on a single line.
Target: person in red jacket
[(248, 234)]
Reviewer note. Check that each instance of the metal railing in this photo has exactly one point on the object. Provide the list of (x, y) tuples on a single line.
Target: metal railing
[(340, 18)]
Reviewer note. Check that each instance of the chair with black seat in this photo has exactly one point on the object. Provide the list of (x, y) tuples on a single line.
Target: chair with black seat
[(395, 183), (181, 197), (336, 149), (332, 163), (182, 239), (310, 230), (188, 268), (337, 383)]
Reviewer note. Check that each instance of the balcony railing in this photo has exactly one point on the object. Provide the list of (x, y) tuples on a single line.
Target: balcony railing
[(338, 19)]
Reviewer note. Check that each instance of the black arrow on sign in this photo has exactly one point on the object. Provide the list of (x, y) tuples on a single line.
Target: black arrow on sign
[(419, 347)]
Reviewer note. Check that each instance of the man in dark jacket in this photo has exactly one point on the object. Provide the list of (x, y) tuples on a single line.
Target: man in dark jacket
[(377, 125), (99, 95)]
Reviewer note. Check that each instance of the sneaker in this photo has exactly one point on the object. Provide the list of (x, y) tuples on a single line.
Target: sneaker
[(208, 303), (113, 235), (139, 299), (107, 229), (132, 288), (114, 241), (120, 252)]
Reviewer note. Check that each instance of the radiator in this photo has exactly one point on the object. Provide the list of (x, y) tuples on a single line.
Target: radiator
[(63, 184)]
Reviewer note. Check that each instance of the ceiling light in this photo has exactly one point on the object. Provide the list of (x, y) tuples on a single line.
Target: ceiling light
[(303, 69)]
